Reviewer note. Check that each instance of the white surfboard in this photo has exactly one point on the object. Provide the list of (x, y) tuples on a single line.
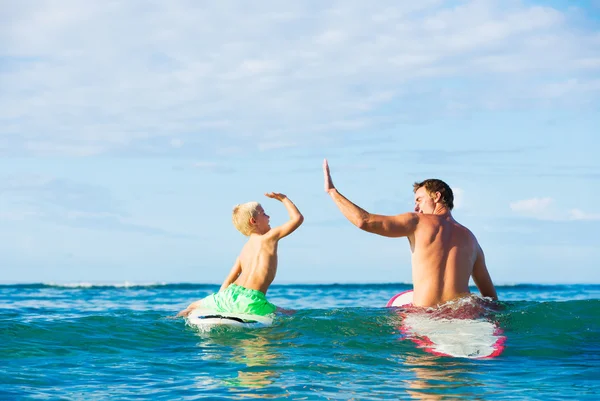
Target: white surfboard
[(205, 319), (460, 338)]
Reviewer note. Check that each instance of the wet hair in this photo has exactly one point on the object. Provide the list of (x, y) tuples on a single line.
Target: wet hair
[(434, 185), (242, 214)]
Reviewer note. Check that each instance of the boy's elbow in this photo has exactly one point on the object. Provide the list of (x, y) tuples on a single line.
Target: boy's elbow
[(300, 219)]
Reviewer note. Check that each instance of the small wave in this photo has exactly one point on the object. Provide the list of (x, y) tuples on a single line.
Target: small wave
[(125, 284), (85, 285), (471, 306)]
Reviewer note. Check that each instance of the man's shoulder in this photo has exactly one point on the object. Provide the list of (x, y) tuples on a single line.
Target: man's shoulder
[(434, 220), (407, 216), (407, 219), (467, 233), (463, 227)]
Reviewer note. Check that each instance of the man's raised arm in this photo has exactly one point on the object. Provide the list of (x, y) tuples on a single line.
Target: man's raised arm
[(401, 225)]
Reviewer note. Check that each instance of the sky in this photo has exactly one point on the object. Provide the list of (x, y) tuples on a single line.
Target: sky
[(130, 129)]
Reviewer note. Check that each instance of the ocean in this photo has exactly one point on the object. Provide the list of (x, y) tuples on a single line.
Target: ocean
[(103, 342)]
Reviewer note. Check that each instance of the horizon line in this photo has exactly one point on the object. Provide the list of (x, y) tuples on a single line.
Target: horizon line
[(127, 283)]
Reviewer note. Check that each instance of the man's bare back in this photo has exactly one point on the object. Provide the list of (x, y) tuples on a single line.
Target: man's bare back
[(445, 254)]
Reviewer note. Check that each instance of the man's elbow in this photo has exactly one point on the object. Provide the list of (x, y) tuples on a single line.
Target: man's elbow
[(363, 224)]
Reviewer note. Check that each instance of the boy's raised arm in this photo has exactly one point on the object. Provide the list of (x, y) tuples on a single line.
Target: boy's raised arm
[(295, 221)]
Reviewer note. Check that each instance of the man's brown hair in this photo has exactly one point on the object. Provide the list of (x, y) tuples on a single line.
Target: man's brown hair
[(432, 186)]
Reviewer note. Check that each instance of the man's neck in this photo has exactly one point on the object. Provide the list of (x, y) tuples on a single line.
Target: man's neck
[(441, 210)]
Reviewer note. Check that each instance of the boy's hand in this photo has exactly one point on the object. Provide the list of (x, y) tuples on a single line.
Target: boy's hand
[(275, 195), (185, 312), (327, 175)]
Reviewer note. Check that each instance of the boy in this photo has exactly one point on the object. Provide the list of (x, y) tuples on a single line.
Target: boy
[(244, 290)]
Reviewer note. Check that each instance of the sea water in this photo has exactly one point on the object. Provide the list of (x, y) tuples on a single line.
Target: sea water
[(97, 342)]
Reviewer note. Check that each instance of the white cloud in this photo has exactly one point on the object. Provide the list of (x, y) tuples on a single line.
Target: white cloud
[(258, 67), (17, 215), (332, 37), (81, 79), (560, 89), (273, 145), (545, 209), (176, 143), (534, 206), (66, 148), (576, 214), (67, 203), (458, 197), (205, 165), (213, 167), (76, 214), (592, 62)]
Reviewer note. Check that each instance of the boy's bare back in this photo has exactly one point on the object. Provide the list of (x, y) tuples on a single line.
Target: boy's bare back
[(258, 261)]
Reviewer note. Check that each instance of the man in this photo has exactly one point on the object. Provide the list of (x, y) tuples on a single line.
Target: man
[(445, 254)]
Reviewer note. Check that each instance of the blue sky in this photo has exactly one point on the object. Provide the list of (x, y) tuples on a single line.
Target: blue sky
[(129, 129)]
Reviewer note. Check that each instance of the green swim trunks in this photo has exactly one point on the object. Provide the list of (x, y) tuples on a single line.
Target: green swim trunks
[(238, 299)]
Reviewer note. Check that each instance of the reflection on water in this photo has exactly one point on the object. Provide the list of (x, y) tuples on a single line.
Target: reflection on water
[(438, 378), (251, 352), (255, 363), (257, 356), (436, 375)]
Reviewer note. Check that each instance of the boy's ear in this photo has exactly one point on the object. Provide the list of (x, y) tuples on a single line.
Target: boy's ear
[(252, 220)]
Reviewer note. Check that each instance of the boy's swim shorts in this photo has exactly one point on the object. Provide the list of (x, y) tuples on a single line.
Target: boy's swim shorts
[(238, 299)]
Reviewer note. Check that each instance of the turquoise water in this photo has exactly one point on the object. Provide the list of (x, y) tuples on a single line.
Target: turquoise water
[(83, 342)]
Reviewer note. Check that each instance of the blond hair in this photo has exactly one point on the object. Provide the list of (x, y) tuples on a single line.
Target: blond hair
[(241, 217)]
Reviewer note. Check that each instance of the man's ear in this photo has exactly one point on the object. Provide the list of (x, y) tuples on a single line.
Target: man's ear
[(437, 196)]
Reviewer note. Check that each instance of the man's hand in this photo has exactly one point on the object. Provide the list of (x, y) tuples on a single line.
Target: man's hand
[(275, 195), (327, 175)]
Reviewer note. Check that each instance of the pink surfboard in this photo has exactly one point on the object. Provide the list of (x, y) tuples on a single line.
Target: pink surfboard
[(453, 337)]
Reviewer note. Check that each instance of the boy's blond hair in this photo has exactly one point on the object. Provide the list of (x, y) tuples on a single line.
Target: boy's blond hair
[(241, 217)]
